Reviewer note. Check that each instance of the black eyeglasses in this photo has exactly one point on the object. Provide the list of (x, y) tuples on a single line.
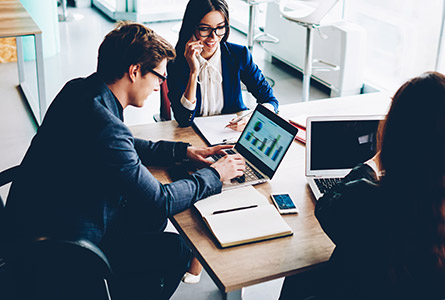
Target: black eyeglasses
[(162, 78), (205, 31)]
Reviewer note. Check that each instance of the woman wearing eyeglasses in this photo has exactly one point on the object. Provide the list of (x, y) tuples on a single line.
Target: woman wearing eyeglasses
[(205, 79)]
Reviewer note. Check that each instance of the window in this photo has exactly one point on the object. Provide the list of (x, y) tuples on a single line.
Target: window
[(402, 38)]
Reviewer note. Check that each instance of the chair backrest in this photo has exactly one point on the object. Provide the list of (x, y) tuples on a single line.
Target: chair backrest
[(59, 269), (49, 268), (306, 11), (165, 103), (8, 175)]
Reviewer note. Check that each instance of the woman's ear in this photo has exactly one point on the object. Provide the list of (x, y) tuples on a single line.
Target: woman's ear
[(133, 71)]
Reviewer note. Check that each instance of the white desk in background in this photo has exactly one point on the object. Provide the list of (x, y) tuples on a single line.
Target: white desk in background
[(16, 22)]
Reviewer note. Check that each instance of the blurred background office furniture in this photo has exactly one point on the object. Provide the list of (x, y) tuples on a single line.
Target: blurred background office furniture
[(16, 22), (44, 13), (142, 10), (341, 43), (64, 16), (307, 13), (263, 36)]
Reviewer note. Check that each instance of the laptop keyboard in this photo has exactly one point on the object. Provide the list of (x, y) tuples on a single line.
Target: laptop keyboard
[(250, 174), (324, 184)]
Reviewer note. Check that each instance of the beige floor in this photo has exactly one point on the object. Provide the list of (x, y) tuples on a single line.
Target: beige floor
[(80, 39)]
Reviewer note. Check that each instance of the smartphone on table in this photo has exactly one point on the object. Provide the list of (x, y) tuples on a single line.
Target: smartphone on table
[(284, 203)]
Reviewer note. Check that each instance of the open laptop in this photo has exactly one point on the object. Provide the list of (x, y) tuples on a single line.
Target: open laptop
[(263, 144), (335, 145)]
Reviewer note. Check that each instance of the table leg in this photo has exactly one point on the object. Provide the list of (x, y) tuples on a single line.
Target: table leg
[(43, 106), (38, 109), (20, 59), (27, 92), (234, 295)]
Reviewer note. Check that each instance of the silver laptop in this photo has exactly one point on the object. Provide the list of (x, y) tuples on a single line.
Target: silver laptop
[(263, 144), (335, 145)]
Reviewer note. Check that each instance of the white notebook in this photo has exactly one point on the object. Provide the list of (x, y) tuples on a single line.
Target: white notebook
[(242, 216)]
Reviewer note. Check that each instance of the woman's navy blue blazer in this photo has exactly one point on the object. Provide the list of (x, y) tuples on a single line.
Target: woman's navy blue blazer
[(237, 65)]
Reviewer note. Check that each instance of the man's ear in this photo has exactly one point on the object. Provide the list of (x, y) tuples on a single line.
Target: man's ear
[(133, 71)]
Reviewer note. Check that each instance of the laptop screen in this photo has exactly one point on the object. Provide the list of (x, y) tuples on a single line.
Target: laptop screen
[(265, 140), (342, 144)]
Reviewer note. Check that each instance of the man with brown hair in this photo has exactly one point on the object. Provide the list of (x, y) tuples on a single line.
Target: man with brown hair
[(84, 176)]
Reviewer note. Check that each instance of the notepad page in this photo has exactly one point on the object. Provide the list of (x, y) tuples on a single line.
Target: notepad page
[(214, 131), (247, 225), (234, 198)]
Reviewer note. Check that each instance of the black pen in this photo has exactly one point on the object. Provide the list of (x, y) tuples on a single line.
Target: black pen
[(233, 209)]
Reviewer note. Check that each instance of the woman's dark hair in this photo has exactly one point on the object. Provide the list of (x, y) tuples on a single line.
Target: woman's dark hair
[(194, 12), (130, 44), (413, 159)]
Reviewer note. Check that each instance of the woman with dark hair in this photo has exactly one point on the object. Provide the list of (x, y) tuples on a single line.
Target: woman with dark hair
[(387, 216), (204, 56)]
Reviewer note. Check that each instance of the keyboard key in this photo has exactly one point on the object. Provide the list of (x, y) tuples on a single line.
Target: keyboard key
[(240, 179), (324, 184)]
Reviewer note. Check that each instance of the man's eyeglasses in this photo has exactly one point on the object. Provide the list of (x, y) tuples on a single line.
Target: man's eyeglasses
[(205, 31), (162, 78)]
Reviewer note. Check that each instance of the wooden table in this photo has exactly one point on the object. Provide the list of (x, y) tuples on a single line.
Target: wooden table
[(16, 22), (234, 268)]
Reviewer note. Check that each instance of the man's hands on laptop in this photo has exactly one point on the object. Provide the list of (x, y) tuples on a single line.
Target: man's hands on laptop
[(228, 167), (200, 155)]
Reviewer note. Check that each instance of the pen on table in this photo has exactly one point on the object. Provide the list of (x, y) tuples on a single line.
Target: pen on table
[(236, 120), (233, 209), (230, 141)]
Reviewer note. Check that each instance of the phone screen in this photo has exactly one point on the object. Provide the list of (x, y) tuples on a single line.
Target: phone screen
[(283, 201)]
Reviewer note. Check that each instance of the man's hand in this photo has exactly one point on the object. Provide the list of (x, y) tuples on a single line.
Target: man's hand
[(199, 154), (230, 166)]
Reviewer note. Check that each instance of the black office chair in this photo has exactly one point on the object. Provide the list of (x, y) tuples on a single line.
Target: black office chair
[(6, 177), (47, 268), (58, 269)]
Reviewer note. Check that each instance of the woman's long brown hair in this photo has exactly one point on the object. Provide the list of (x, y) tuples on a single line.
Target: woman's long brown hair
[(413, 159)]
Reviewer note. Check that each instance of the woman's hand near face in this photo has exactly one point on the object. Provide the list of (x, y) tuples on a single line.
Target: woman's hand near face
[(193, 48)]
